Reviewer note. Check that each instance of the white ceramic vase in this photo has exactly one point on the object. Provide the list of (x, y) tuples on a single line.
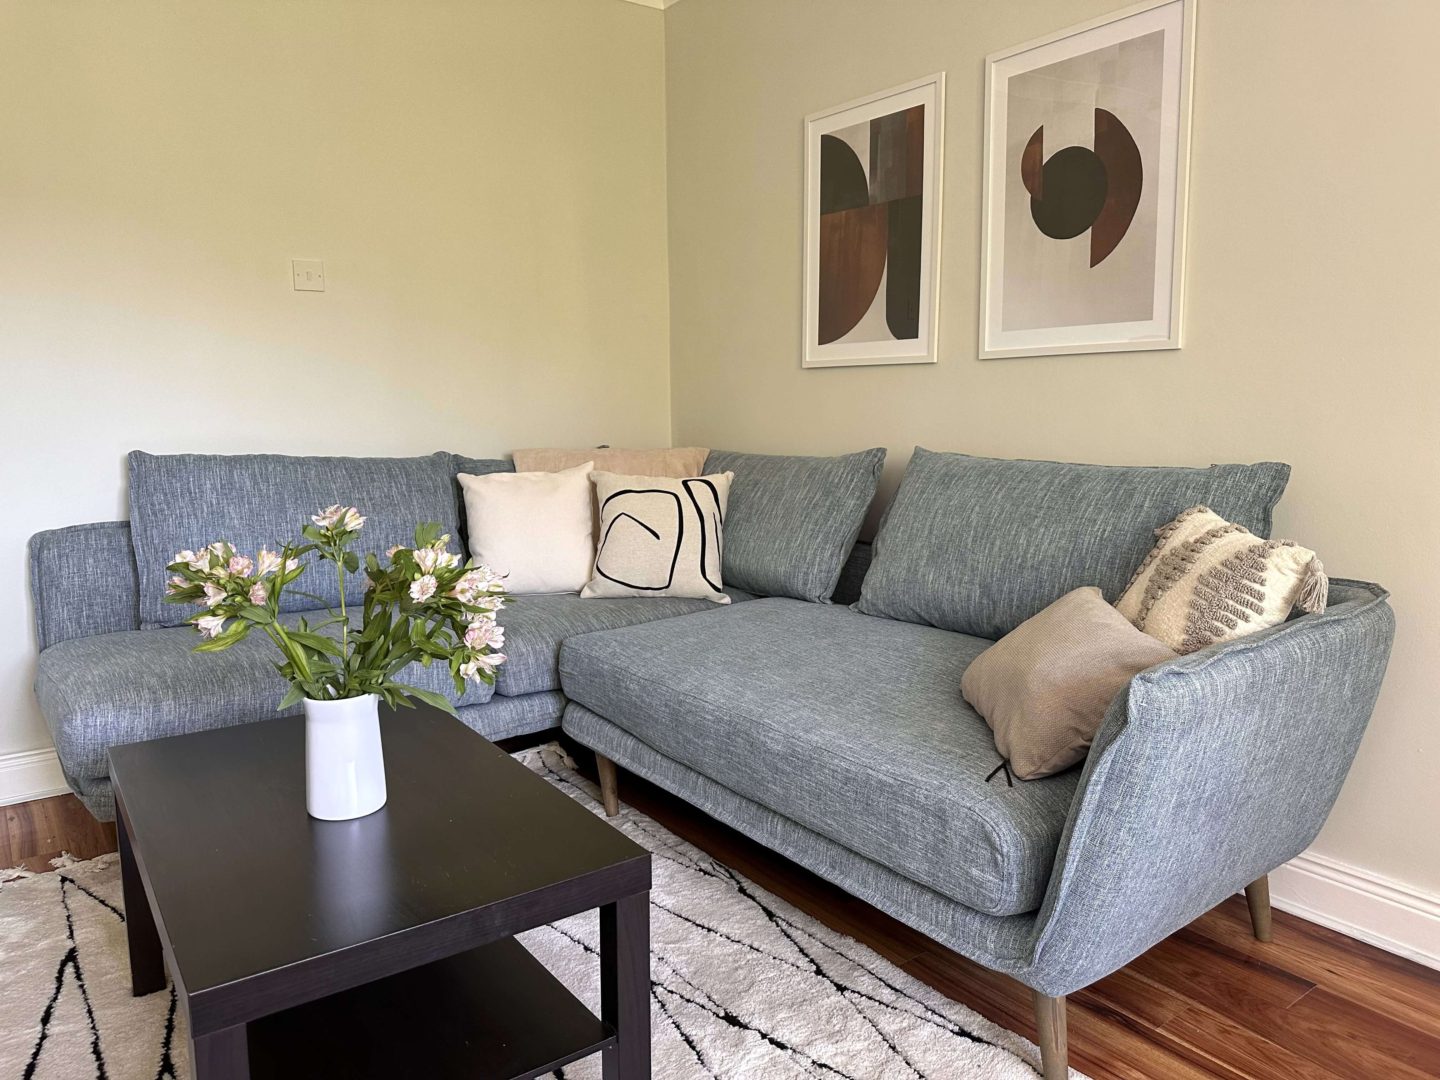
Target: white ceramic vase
[(344, 763)]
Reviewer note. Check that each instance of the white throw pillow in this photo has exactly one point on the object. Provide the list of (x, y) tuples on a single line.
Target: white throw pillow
[(535, 527), (660, 536)]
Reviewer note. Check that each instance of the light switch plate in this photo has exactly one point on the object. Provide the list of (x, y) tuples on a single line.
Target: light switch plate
[(309, 274)]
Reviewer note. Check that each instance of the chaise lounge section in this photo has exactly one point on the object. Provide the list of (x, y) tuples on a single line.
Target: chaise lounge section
[(840, 739)]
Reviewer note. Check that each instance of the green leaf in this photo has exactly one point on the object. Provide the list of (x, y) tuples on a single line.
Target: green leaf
[(429, 697), (316, 642), (256, 614), (292, 697), (236, 633)]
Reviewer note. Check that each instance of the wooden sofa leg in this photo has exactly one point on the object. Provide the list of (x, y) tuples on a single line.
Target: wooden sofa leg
[(1257, 895), (609, 785), (1054, 1053)]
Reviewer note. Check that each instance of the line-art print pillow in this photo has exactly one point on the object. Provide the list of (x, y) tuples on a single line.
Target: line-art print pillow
[(660, 536)]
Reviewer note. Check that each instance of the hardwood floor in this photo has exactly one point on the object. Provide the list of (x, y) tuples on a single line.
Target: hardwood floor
[(36, 832), (1209, 1002)]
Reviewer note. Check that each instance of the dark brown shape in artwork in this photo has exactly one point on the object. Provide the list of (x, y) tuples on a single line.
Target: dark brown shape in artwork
[(1124, 173), (915, 151), (897, 155), (902, 279), (842, 177), (1074, 184), (1031, 160), (1079, 188), (853, 245)]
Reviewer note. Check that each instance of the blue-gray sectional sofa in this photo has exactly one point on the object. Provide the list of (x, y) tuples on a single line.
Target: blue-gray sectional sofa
[(832, 732)]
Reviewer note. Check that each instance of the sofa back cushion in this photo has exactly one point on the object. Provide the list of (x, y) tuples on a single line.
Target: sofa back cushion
[(979, 545), (793, 520), (180, 501)]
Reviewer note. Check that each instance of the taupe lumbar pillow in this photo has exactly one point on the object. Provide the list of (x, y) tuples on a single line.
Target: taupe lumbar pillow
[(660, 536), (678, 462), (1044, 687), (1209, 580)]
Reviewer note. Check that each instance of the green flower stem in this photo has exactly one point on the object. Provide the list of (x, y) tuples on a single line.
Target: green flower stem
[(294, 653), (344, 619)]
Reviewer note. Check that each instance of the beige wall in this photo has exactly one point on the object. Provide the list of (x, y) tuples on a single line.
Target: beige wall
[(485, 181), (1314, 265)]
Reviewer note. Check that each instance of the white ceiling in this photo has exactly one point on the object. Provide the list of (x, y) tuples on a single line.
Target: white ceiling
[(661, 4)]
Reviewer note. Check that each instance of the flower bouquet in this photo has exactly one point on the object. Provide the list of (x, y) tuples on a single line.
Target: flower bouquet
[(420, 604)]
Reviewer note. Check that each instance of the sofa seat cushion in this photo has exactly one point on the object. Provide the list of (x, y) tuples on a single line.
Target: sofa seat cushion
[(111, 689), (536, 624), (850, 725)]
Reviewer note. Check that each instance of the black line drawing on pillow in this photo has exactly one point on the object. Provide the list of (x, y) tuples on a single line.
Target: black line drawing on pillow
[(713, 520), (635, 495)]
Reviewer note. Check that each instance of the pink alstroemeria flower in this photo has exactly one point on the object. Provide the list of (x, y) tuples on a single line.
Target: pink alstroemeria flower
[(210, 625), (485, 633)]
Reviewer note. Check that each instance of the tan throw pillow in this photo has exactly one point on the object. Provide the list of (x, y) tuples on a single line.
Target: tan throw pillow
[(660, 536), (1209, 580), (1044, 687), (678, 462)]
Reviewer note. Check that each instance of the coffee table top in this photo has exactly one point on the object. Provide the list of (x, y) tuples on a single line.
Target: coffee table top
[(470, 845)]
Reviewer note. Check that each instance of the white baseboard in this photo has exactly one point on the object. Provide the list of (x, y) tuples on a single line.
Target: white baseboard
[(1379, 911), (30, 774)]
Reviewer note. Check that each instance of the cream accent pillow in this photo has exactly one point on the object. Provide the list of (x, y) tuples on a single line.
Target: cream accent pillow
[(660, 536), (1044, 687), (1209, 580), (533, 526), (679, 462)]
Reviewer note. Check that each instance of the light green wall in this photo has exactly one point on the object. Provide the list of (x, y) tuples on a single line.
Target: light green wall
[(484, 180), (1313, 281)]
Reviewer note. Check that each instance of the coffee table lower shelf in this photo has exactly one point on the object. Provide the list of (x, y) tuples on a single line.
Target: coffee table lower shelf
[(493, 1012)]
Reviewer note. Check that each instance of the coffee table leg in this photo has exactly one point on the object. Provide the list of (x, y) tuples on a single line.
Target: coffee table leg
[(221, 1055), (625, 986), (147, 962)]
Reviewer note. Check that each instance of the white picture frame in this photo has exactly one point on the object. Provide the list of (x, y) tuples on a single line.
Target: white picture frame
[(907, 299), (1038, 295)]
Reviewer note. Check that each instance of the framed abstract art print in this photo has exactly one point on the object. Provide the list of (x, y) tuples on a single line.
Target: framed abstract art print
[(872, 228), (1086, 144)]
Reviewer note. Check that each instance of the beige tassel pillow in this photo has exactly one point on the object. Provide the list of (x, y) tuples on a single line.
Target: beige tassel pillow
[(1209, 580)]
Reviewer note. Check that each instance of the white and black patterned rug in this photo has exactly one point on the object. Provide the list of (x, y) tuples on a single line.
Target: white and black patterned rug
[(744, 984)]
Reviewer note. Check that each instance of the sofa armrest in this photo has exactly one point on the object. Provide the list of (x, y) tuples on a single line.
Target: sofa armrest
[(83, 582), (1209, 772)]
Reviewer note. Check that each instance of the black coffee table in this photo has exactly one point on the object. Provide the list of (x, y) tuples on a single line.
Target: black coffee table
[(381, 946)]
